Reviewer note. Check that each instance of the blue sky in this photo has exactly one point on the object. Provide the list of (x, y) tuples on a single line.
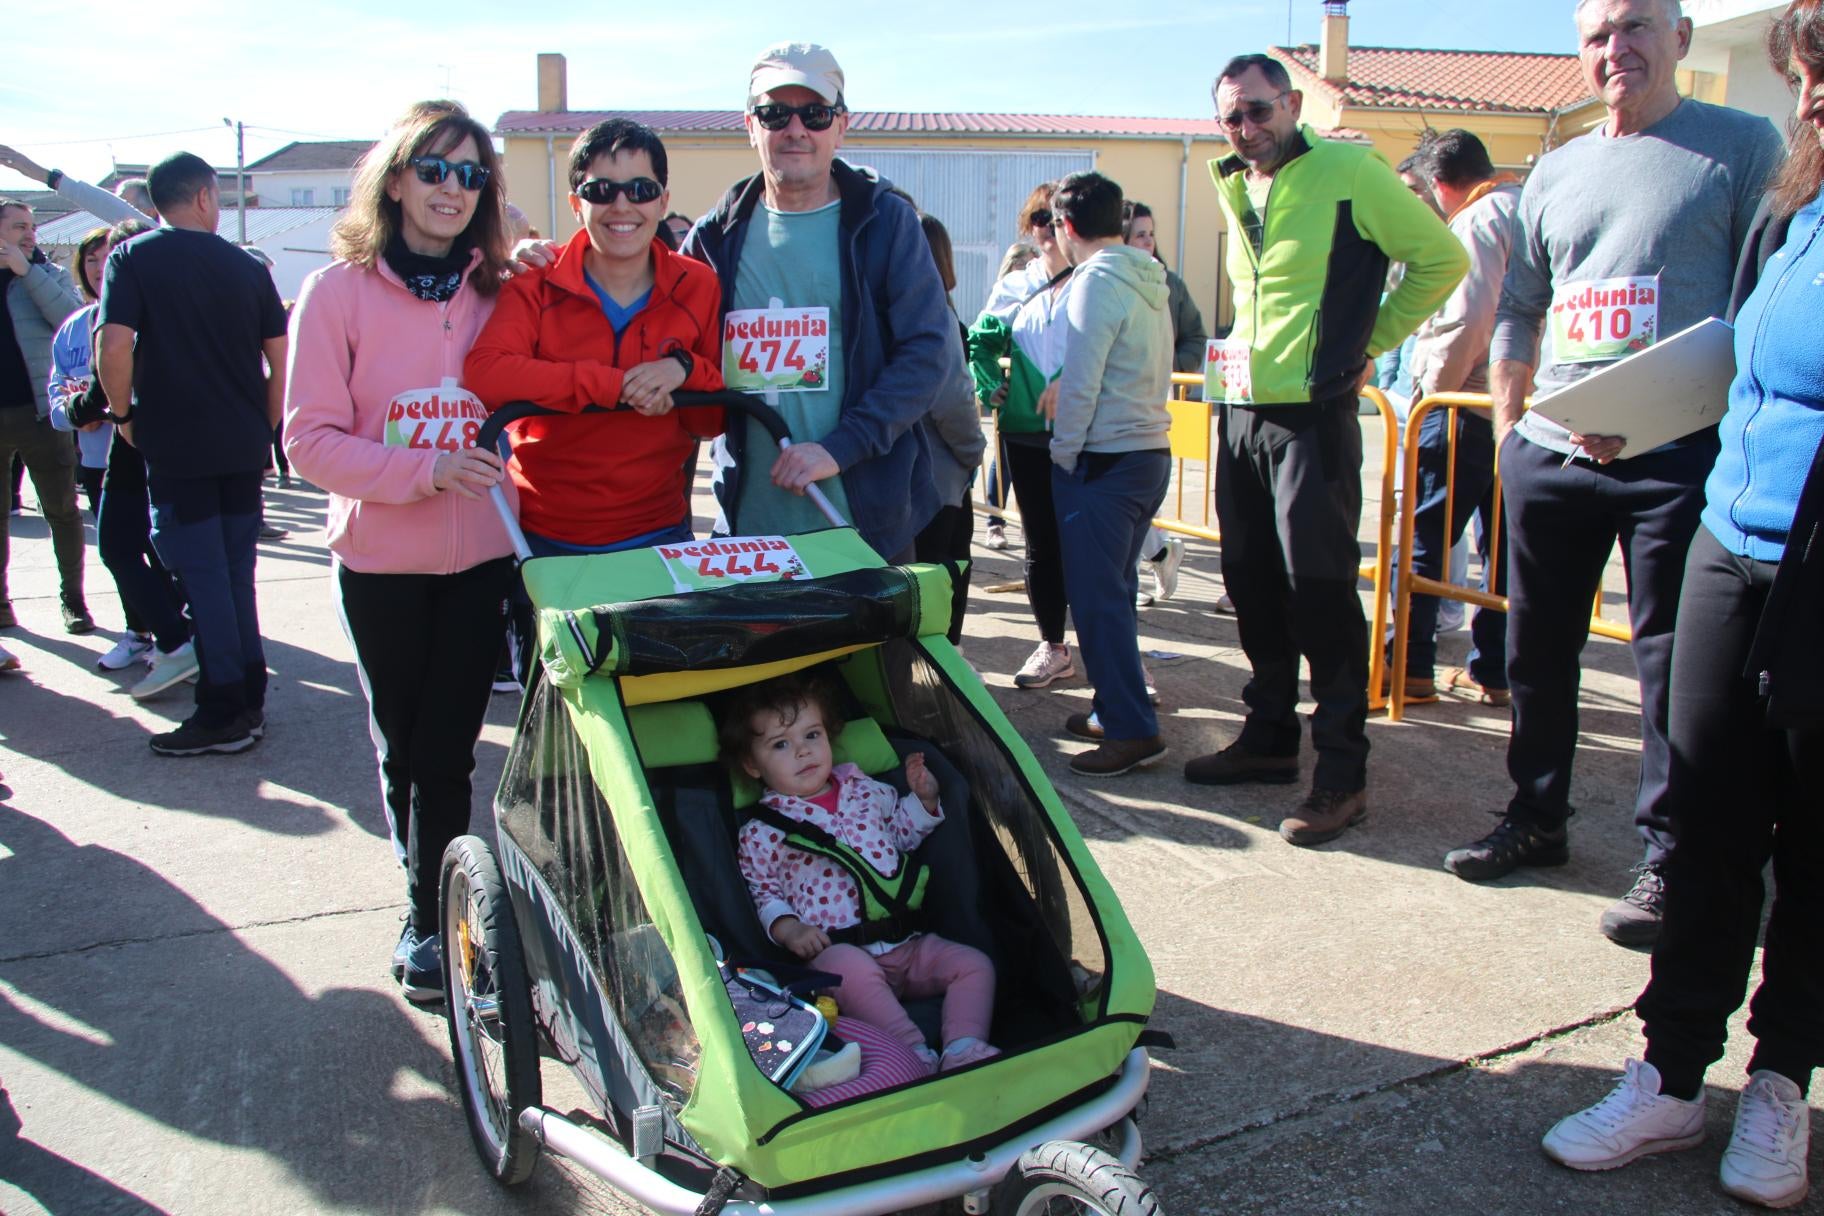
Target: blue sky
[(338, 69)]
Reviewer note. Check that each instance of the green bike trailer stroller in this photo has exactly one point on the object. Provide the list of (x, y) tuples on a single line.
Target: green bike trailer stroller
[(594, 931)]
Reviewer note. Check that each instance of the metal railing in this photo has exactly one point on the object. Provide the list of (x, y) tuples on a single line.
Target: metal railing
[(1408, 584)]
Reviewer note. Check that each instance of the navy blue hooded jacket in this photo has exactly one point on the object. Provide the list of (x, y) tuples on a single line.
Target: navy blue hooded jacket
[(894, 319)]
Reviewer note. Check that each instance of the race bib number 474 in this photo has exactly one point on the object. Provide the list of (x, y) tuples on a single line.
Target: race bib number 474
[(784, 349), (1598, 320), (1227, 371)]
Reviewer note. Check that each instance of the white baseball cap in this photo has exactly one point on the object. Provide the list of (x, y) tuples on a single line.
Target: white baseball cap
[(796, 63)]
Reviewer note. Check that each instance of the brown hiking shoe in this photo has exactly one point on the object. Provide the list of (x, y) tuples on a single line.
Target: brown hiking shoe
[(1235, 764), (1420, 690), (1117, 756), (1325, 815)]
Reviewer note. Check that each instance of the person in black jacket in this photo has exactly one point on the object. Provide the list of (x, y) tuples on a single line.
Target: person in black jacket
[(1746, 741)]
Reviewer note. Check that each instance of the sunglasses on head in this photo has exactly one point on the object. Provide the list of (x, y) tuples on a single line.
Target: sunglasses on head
[(776, 115), (604, 190), (432, 170), (1256, 112)]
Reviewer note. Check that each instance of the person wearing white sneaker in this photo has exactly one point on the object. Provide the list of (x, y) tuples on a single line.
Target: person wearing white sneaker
[(1765, 1160), (1634, 1120), (132, 648), (1051, 661), (8, 660), (1745, 726)]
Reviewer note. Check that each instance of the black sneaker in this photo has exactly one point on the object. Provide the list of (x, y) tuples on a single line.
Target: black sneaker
[(193, 739), (76, 618), (1634, 919), (420, 972), (255, 721), (1513, 843)]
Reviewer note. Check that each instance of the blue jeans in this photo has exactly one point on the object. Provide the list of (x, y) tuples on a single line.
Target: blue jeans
[(123, 533), (206, 530), (1104, 508), (1475, 481)]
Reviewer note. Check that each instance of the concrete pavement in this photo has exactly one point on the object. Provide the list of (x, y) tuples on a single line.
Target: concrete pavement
[(196, 1015)]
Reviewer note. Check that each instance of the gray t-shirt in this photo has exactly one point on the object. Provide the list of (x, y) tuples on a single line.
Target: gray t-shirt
[(1671, 203), (793, 257)]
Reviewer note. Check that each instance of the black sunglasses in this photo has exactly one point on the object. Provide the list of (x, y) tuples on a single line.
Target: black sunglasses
[(432, 170), (1256, 112), (604, 190), (1041, 218), (776, 115)]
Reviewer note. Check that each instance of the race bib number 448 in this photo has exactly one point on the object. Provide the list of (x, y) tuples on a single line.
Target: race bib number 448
[(1598, 320), (446, 418), (784, 349)]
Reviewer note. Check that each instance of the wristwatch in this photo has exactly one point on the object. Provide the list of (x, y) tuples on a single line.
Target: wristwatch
[(52, 178), (117, 419), (684, 360)]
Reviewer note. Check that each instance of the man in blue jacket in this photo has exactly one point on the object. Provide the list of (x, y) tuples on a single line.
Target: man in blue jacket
[(830, 297)]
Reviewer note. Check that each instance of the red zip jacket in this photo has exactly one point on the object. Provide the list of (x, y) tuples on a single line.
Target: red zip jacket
[(598, 480)]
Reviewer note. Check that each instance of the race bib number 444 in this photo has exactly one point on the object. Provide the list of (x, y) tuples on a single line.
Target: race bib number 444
[(784, 349), (1598, 320), (446, 418), (698, 565)]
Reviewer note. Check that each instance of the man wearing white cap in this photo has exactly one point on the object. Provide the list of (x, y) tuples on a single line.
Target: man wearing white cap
[(830, 297)]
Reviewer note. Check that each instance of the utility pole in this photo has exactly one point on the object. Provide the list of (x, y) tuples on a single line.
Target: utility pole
[(240, 171)]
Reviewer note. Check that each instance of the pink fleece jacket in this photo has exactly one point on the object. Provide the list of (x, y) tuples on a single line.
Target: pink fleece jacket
[(372, 395)]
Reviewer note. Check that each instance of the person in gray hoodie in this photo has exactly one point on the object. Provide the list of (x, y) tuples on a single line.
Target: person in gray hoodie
[(1110, 461)]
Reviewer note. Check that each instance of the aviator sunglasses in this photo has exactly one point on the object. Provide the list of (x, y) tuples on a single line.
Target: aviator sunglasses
[(603, 190), (432, 170), (1256, 112), (776, 115)]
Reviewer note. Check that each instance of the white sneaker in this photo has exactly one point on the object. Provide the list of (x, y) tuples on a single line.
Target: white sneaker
[(1044, 665), (1765, 1160), (1634, 1120), (997, 536), (166, 670), (131, 649), (8, 660), (1165, 570)]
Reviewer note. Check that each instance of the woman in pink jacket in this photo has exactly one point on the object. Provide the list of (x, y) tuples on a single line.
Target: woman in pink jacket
[(376, 414)]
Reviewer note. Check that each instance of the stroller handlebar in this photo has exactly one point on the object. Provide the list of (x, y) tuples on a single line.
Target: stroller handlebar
[(492, 431), (753, 407)]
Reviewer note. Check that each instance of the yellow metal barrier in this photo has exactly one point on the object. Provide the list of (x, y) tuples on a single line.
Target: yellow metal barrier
[(1409, 584), (1190, 439)]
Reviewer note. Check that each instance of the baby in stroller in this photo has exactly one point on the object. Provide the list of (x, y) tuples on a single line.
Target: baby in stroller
[(828, 858)]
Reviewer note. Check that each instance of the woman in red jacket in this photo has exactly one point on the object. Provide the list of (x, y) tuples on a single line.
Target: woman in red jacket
[(618, 317)]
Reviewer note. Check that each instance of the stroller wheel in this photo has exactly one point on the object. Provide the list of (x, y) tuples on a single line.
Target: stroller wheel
[(490, 1010), (1064, 1176)]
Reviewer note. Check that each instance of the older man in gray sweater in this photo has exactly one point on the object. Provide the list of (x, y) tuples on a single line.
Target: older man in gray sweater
[(35, 297), (1627, 234)]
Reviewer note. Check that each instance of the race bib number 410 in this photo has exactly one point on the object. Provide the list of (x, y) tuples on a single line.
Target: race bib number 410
[(784, 349), (1598, 320), (447, 418)]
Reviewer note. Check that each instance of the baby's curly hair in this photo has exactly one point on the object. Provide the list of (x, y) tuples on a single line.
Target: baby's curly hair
[(784, 696)]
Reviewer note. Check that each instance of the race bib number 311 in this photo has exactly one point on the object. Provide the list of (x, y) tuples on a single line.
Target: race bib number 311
[(1595, 321), (784, 349), (1227, 372)]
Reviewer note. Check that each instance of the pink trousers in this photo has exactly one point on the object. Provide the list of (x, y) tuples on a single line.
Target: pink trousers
[(927, 965)]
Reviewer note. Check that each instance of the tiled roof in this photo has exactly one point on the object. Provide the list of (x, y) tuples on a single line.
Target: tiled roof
[(319, 155), (263, 223), (868, 122), (1468, 81)]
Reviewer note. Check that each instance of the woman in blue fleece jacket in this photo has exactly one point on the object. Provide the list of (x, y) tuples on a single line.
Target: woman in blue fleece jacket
[(1745, 786)]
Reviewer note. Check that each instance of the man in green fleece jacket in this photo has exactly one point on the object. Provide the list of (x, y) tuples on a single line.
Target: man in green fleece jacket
[(1316, 224)]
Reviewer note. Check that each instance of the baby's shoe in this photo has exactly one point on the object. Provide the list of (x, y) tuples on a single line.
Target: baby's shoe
[(964, 1051)]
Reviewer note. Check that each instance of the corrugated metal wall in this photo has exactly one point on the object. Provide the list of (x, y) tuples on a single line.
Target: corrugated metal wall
[(977, 195)]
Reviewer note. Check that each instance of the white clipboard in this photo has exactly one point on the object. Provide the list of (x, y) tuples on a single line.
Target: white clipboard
[(1665, 392)]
